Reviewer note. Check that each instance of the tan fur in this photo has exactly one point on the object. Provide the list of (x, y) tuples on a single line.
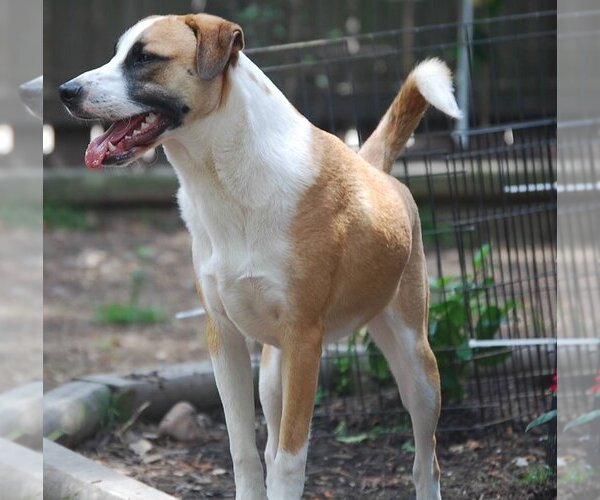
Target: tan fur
[(218, 43), (189, 53), (352, 237), (265, 355), (301, 353), (395, 128), (212, 337), (262, 85)]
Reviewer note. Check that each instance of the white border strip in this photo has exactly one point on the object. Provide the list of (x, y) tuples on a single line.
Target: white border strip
[(191, 313), (474, 343)]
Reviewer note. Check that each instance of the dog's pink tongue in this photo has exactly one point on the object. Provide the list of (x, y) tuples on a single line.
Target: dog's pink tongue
[(95, 152), (98, 148)]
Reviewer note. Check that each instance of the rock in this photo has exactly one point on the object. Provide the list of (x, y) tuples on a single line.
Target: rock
[(181, 423), (521, 462), (141, 447)]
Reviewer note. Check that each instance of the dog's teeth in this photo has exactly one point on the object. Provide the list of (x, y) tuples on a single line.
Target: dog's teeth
[(151, 118), (144, 126), (136, 132), (111, 147)]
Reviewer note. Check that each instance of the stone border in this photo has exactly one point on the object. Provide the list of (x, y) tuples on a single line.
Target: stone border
[(21, 474), (21, 411), (70, 475), (74, 411)]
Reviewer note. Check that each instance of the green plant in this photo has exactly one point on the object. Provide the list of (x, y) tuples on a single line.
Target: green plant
[(343, 436), (577, 472), (462, 302), (542, 419), (67, 217), (116, 313), (343, 368), (537, 474)]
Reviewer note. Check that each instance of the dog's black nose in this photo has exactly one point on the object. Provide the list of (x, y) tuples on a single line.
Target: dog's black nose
[(70, 91)]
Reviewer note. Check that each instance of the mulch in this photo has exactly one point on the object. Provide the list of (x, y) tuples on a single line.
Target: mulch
[(477, 467)]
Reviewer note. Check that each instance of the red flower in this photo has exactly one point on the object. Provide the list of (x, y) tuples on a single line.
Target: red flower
[(596, 386), (554, 387)]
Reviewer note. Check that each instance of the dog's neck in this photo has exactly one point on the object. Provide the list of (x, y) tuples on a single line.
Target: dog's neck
[(255, 147)]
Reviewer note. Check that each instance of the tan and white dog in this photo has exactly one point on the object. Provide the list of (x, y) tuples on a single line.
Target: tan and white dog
[(297, 240)]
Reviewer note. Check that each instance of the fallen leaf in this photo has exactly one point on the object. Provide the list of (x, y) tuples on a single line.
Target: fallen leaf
[(150, 459)]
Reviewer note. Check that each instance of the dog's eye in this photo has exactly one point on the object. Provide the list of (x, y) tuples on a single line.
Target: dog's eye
[(145, 57)]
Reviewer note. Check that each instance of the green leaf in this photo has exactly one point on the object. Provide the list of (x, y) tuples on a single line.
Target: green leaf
[(542, 419), (408, 447), (508, 306), (583, 419), (488, 324), (458, 315), (480, 255), (447, 283), (353, 438)]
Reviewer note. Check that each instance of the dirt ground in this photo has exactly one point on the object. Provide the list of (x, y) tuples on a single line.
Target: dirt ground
[(377, 469), (89, 258)]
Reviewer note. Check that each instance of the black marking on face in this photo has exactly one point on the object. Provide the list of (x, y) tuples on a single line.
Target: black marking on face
[(139, 58), (154, 98), (138, 68)]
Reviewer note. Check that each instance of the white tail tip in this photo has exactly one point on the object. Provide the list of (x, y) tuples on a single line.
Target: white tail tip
[(434, 81)]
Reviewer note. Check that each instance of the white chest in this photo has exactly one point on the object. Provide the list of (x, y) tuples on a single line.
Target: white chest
[(241, 261)]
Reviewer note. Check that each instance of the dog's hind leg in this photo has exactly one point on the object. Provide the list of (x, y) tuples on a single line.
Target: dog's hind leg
[(233, 375), (400, 331), (271, 399)]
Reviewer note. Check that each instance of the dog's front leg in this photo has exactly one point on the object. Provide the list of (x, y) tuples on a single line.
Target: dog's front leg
[(233, 374), (301, 352)]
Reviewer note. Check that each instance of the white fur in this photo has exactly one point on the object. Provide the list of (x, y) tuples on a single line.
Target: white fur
[(240, 185), (271, 400), (243, 170), (434, 81), (285, 480), (106, 90), (399, 345)]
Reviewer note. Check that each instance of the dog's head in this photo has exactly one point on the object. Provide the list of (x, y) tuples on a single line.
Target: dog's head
[(166, 72)]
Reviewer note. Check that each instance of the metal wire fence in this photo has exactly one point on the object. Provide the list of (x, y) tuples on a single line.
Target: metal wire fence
[(487, 195)]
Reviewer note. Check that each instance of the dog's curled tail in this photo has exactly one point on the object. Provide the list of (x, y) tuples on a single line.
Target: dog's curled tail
[(429, 83)]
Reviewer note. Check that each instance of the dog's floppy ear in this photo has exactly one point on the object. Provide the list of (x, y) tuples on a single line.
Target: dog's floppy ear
[(217, 44)]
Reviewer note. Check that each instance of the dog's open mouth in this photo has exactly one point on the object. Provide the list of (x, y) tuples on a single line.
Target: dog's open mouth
[(126, 139)]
